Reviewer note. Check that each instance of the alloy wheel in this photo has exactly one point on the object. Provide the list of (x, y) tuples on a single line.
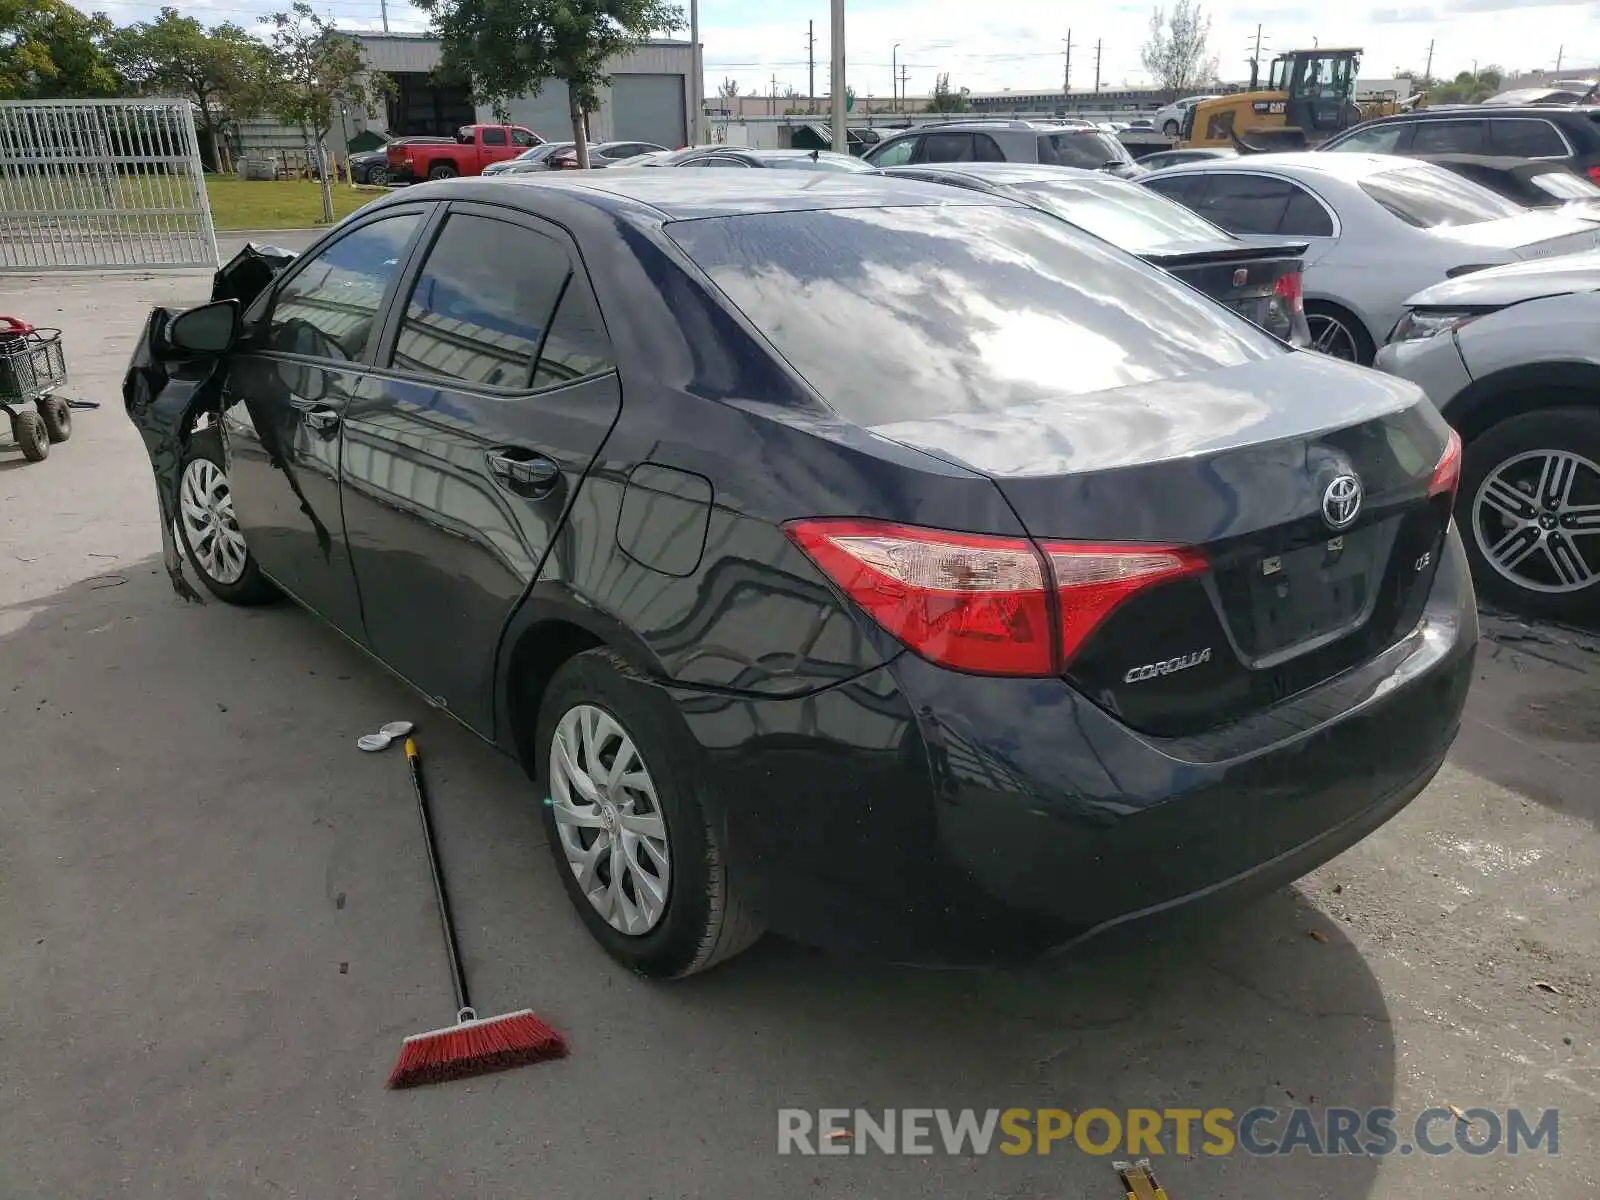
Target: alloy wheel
[(205, 506), (1333, 337), (1536, 518), (609, 820)]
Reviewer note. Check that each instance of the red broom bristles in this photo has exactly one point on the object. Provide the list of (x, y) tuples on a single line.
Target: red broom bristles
[(475, 1048)]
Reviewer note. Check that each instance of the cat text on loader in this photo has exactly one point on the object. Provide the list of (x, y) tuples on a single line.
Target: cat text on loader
[(1309, 97)]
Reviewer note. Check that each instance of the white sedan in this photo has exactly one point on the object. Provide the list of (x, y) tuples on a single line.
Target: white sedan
[(1378, 228)]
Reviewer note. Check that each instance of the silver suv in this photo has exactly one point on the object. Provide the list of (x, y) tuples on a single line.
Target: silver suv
[(1061, 144)]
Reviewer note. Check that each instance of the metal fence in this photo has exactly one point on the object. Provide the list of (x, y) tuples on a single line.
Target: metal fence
[(97, 184)]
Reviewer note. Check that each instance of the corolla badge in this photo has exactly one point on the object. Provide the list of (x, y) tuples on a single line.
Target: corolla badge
[(1341, 501)]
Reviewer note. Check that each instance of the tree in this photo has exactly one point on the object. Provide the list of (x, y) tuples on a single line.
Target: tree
[(1175, 52), (944, 100), (49, 49), (222, 69), (728, 88), (1467, 88), (512, 47), (316, 71)]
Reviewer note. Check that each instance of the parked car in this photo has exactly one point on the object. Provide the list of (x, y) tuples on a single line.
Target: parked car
[(1534, 183), (1169, 118), (883, 564), (372, 166), (1510, 357), (1260, 283), (1564, 92), (736, 157), (475, 147), (601, 154), (534, 159), (1174, 158), (1061, 144), (1379, 229), (1570, 136)]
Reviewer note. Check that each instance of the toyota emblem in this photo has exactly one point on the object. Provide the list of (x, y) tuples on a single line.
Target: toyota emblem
[(1341, 501), (1241, 276)]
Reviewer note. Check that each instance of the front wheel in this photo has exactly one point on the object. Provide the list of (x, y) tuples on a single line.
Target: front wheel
[(624, 816), (443, 171), (210, 532), (1529, 511), (33, 439), (1338, 334)]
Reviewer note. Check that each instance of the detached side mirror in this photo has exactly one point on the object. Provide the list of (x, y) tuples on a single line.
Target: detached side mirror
[(207, 331)]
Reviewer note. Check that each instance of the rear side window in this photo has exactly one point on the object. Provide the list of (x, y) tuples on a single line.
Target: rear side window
[(1524, 137), (1243, 203), (1305, 217), (1430, 197), (1450, 137), (576, 345), (494, 137), (985, 149), (898, 314), (1088, 148), (1393, 138), (479, 309), (946, 147)]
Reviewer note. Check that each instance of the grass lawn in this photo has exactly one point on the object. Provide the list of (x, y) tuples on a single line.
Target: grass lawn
[(278, 203)]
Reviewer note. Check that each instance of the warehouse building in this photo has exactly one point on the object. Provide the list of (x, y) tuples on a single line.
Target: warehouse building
[(649, 100)]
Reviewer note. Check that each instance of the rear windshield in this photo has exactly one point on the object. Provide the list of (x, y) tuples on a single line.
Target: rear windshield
[(1564, 185), (1431, 197), (823, 162), (895, 314), (1126, 215), (1089, 148)]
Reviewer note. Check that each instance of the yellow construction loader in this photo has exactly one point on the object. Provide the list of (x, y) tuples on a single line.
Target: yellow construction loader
[(1310, 95)]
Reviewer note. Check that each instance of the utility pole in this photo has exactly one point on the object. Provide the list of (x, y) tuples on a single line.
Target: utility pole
[(905, 73), (841, 138), (384, 6), (1066, 74), (894, 77), (1097, 46), (697, 66), (1427, 71), (811, 66), (1559, 53), (772, 102)]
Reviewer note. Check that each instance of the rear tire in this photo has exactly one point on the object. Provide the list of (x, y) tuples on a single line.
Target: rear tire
[(33, 439), (1510, 460), (701, 922), (1340, 330), (57, 416), (443, 171), (205, 517), (378, 177)]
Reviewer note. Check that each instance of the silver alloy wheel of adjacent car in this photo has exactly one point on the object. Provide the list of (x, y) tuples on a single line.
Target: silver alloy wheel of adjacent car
[(1332, 337), (609, 820), (1537, 520), (205, 506)]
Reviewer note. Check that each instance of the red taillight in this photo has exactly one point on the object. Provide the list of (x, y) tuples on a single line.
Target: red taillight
[(1594, 174), (1447, 473), (982, 603), (1289, 288)]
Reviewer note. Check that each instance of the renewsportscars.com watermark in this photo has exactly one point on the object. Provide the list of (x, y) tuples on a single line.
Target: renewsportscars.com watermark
[(1144, 1132)]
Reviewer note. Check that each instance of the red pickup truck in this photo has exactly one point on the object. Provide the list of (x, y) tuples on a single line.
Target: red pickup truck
[(475, 147)]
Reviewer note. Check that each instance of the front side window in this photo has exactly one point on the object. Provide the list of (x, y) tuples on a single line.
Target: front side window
[(1430, 197), (912, 312), (894, 154), (522, 137), (329, 307), (1380, 139), (479, 308)]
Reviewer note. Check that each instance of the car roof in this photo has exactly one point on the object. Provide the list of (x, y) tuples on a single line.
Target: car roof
[(1455, 112), (1005, 172), (690, 195), (1349, 167)]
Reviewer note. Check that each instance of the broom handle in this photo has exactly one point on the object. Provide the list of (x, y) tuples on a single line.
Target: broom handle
[(458, 976)]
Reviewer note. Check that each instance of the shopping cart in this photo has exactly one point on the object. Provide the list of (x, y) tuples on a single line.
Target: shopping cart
[(32, 367)]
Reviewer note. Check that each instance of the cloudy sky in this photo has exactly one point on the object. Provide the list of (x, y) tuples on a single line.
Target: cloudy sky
[(1020, 44)]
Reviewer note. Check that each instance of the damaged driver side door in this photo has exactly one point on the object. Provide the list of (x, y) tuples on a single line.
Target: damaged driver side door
[(307, 344)]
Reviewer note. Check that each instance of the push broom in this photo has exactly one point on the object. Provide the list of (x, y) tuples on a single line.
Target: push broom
[(474, 1045)]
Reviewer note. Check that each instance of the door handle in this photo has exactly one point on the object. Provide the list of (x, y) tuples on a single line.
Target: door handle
[(323, 420), (524, 471)]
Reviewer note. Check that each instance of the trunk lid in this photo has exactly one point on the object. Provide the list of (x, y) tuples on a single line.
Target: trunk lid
[(1540, 234), (1245, 278), (1244, 465)]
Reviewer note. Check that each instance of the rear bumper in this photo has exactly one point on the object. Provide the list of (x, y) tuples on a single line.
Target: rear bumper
[(924, 816)]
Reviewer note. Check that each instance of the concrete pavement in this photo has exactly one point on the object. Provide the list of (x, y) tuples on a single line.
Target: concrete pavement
[(217, 928)]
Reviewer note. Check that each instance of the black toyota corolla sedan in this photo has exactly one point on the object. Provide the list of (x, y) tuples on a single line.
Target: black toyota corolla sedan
[(896, 568)]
